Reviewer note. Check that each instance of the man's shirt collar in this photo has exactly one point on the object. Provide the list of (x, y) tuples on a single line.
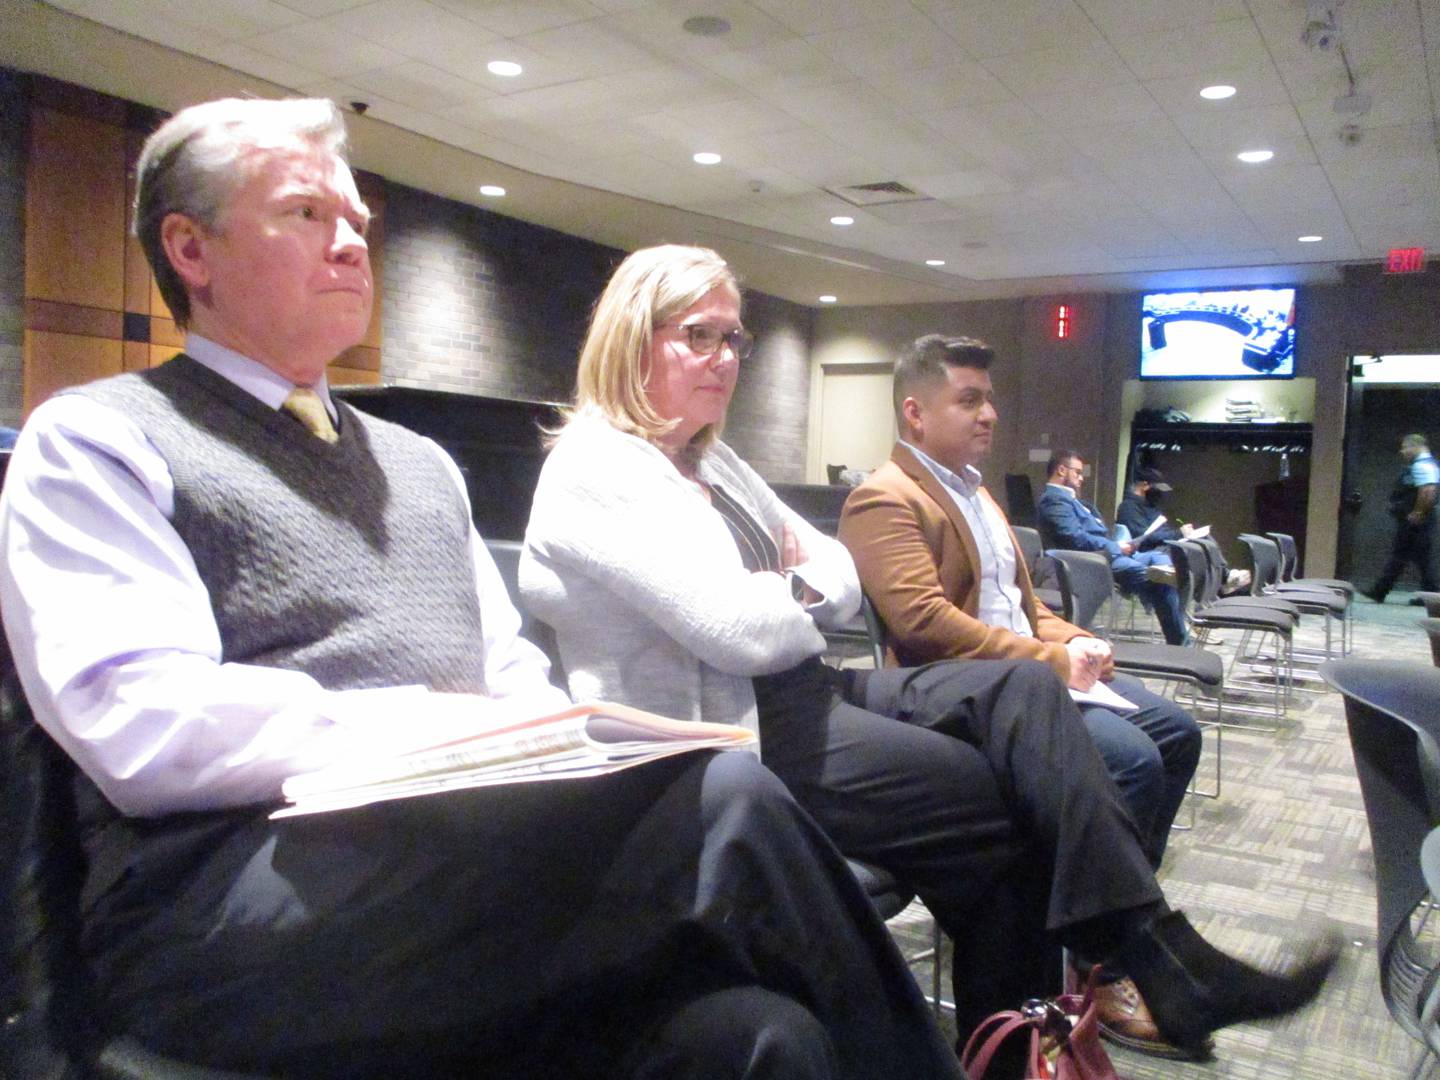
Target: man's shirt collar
[(967, 483), (257, 380)]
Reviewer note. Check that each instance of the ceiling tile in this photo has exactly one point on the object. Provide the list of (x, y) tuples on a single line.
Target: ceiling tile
[(1119, 18), (1192, 50), (952, 85), (987, 29), (326, 49), (272, 69), (320, 8), (1125, 101), (661, 26), (413, 27), (1255, 85), (417, 85), (1234, 130), (881, 48), (1047, 72), (524, 16), (773, 68), (597, 47), (820, 16)]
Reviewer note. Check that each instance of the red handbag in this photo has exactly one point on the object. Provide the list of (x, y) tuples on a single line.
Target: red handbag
[(1063, 1033)]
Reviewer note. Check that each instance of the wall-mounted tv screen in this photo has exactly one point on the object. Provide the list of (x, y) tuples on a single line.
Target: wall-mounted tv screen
[(1218, 334)]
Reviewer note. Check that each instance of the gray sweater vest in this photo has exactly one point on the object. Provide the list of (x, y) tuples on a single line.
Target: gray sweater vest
[(350, 562)]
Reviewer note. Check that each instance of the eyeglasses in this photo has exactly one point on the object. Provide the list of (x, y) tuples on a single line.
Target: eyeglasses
[(705, 340)]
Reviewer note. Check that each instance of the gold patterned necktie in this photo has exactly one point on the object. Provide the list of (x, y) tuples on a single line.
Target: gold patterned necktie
[(305, 405)]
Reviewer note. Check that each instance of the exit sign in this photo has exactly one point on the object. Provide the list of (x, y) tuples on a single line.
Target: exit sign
[(1405, 261)]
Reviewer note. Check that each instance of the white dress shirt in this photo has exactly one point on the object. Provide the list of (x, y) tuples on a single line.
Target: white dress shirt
[(119, 653), (1000, 601)]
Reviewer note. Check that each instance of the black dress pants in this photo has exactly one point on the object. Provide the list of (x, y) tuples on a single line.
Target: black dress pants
[(1411, 547), (682, 919), (977, 784)]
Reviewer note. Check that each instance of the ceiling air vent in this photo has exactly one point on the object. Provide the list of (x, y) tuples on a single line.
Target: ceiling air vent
[(880, 193)]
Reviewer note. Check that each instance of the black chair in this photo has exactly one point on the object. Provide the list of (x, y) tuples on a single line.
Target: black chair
[(1390, 711), (1197, 586), (1290, 567), (506, 554), (1087, 584), (1040, 567), (1331, 604), (1020, 500), (48, 1027)]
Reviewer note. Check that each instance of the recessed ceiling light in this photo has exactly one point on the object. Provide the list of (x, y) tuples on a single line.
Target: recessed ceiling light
[(1254, 157), (934, 262), (506, 68), (827, 299), (1218, 92), (842, 219), (494, 191), (1309, 239), (705, 157)]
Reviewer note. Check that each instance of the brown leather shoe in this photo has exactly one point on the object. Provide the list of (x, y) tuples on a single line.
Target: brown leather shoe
[(1125, 1020)]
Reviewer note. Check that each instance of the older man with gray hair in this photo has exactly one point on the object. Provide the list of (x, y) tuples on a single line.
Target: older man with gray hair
[(217, 576)]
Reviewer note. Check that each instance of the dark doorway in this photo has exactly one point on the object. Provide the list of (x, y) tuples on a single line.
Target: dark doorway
[(1377, 417)]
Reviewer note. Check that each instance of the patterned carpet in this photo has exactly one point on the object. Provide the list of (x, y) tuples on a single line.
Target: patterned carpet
[(1284, 853)]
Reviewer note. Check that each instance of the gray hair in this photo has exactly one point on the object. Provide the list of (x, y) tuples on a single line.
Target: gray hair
[(193, 165)]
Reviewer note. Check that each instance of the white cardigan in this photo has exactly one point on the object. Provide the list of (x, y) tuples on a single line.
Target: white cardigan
[(643, 584)]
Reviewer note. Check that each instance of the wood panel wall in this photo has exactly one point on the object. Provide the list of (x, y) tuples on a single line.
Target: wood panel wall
[(92, 308)]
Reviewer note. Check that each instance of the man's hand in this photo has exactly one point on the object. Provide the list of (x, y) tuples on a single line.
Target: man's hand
[(1085, 662), (1186, 529), (1127, 548)]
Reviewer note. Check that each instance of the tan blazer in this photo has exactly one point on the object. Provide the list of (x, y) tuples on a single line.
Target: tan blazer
[(918, 564)]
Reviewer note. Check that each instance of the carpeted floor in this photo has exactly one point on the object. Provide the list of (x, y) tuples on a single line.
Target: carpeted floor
[(1284, 853)]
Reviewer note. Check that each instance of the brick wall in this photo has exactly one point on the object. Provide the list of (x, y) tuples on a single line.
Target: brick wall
[(14, 129), (483, 304), (769, 415)]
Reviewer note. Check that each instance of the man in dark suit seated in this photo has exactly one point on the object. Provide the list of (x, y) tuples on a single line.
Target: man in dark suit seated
[(1072, 524), (216, 576)]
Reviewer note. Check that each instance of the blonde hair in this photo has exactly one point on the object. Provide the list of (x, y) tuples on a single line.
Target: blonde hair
[(650, 287)]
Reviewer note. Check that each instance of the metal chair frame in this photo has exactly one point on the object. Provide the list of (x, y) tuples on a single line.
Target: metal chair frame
[(1205, 612)]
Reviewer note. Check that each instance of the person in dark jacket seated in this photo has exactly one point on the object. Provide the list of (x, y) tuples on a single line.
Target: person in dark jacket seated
[(1141, 507), (1072, 524)]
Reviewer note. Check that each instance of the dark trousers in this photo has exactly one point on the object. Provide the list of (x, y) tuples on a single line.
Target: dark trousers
[(1151, 754), (1411, 547), (977, 784), (678, 919)]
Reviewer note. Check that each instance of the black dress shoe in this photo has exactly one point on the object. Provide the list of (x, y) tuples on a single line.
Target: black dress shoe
[(1193, 988), (1374, 594), (1416, 601)]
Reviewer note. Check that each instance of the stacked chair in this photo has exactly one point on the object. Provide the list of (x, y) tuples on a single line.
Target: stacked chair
[(1391, 715), (1290, 567), (1257, 619), (1332, 603)]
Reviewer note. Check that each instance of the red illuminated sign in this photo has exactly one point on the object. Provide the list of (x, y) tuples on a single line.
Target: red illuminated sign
[(1064, 314), (1405, 261)]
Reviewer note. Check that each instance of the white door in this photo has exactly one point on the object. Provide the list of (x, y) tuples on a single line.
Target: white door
[(857, 420)]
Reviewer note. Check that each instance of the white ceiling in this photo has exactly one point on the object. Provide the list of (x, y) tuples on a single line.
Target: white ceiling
[(1059, 143)]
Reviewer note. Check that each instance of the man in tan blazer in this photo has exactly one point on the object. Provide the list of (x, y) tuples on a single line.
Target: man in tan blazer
[(938, 560)]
